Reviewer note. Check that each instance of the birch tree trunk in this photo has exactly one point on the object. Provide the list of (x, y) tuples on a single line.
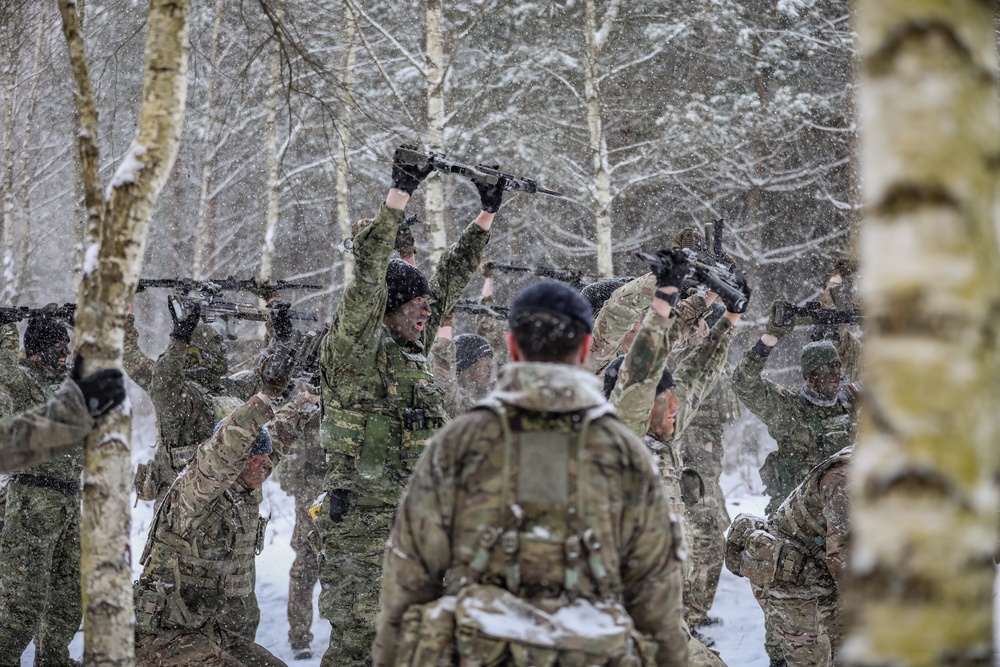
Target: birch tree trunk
[(924, 515), (344, 134), (271, 218), (117, 232), (206, 200), (434, 185), (601, 188), (8, 80)]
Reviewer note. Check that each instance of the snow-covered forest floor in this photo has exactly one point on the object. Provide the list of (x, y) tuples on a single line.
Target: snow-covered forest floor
[(739, 637)]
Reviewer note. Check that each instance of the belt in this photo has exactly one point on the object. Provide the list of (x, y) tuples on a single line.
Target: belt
[(65, 487)]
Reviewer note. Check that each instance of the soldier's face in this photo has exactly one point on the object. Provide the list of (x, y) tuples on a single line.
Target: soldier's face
[(256, 471), (661, 420), (824, 381), (409, 320)]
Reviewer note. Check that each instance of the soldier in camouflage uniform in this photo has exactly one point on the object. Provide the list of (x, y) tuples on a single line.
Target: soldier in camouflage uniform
[(40, 544), (195, 602), (809, 424), (538, 497), (463, 367), (380, 405), (191, 393), (796, 563)]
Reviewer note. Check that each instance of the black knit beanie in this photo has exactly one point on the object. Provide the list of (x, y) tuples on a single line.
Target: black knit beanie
[(405, 282), (598, 293), (553, 298), (470, 348), (42, 333)]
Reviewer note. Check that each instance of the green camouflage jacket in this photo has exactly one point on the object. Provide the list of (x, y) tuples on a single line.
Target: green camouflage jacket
[(47, 430), (456, 491), (624, 308), (30, 384), (806, 432), (208, 529), (138, 366), (380, 402)]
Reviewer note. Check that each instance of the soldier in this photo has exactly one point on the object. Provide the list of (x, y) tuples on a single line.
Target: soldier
[(463, 367), (796, 563), (538, 501), (597, 294), (40, 544), (195, 602), (380, 404), (191, 393), (62, 422), (809, 424)]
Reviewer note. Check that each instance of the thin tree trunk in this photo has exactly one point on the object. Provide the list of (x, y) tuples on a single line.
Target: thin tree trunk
[(924, 513), (8, 81), (117, 233), (601, 192), (434, 185), (344, 134), (206, 203), (271, 219)]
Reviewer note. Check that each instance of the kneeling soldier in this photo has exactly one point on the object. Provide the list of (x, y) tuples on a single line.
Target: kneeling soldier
[(195, 601)]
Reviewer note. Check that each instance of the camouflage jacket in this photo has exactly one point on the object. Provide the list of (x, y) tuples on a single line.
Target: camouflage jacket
[(624, 308), (186, 410), (380, 402), (53, 428), (138, 366), (814, 517), (456, 491), (806, 432), (456, 399), (495, 333), (643, 366), (208, 529), (700, 444), (30, 384)]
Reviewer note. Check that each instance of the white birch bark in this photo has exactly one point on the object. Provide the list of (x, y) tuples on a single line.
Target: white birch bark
[(8, 77), (206, 203), (117, 230), (271, 217), (924, 516), (601, 188), (434, 185), (344, 134)]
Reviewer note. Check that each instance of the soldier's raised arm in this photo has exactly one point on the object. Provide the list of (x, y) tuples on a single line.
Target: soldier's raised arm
[(760, 395), (138, 366), (10, 341), (166, 386)]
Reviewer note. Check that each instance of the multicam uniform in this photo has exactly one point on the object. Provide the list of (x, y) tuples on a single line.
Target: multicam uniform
[(40, 544), (55, 427), (195, 600), (570, 502), (380, 405), (807, 430), (795, 562)]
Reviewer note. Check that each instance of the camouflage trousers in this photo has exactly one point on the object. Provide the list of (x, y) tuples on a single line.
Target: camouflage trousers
[(350, 576), (183, 648), (302, 577), (804, 623), (706, 520), (39, 574)]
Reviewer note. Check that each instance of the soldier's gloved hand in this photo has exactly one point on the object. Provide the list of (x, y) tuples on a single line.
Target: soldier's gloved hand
[(9, 316), (280, 319), (184, 327), (490, 196), (738, 302), (406, 246), (487, 268), (102, 390), (674, 268), (338, 504), (776, 329), (407, 177), (276, 368)]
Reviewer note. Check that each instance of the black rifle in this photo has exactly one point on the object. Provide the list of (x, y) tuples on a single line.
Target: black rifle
[(715, 277), (212, 308), (572, 276), (823, 320), (477, 174), (219, 285), (66, 312), (499, 312)]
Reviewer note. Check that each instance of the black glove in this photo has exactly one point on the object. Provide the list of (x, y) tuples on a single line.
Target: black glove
[(406, 246), (280, 320), (772, 327), (407, 177), (184, 327), (338, 504), (673, 268), (277, 365), (490, 196), (102, 390), (738, 302), (9, 316)]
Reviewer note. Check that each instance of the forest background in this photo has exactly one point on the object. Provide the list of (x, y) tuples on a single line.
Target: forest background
[(648, 116)]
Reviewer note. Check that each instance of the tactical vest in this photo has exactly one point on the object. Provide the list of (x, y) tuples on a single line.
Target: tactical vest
[(62, 469), (220, 407), (186, 581), (386, 435), (535, 574)]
